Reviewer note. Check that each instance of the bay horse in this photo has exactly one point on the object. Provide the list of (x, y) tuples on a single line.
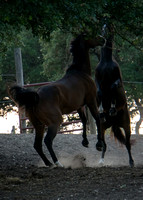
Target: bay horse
[(46, 106), (112, 101)]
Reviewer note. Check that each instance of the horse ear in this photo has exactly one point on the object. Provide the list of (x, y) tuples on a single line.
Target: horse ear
[(111, 28), (84, 34), (111, 31), (98, 41)]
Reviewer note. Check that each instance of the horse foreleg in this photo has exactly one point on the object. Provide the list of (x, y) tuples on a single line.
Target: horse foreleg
[(114, 87), (104, 145), (52, 131), (101, 145), (84, 122), (38, 144), (113, 110), (101, 161), (101, 112)]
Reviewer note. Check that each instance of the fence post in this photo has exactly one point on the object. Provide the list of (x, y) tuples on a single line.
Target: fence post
[(19, 67), (92, 126), (20, 81)]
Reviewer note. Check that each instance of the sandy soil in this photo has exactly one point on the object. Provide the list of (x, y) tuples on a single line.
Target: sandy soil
[(23, 175)]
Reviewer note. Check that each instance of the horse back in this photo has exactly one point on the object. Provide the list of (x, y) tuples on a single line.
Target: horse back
[(62, 94), (106, 73)]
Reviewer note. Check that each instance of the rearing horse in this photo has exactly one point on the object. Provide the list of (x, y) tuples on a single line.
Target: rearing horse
[(46, 106), (111, 99), (78, 58)]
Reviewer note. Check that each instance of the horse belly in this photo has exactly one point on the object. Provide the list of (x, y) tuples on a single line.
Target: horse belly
[(120, 98), (74, 105), (48, 113), (72, 102)]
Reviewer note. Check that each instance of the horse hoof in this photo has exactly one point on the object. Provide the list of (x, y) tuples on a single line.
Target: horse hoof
[(101, 161), (102, 120), (85, 143), (102, 117), (99, 146), (132, 164), (49, 164), (58, 164), (112, 112), (52, 166)]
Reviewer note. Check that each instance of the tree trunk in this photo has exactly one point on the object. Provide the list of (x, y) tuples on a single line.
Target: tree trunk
[(140, 109), (20, 82)]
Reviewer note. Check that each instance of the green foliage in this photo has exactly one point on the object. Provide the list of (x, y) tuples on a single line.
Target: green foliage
[(32, 64), (47, 61), (56, 55), (8, 37), (44, 17), (130, 60), (32, 58)]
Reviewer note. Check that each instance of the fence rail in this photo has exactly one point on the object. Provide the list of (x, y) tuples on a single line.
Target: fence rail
[(64, 124)]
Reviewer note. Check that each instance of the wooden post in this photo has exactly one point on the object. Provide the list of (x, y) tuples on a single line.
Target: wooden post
[(19, 67), (92, 126), (20, 81)]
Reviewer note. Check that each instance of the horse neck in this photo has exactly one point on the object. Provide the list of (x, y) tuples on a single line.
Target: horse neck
[(106, 51), (82, 62)]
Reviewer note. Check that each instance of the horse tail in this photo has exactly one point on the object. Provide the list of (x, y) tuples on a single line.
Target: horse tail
[(119, 134), (23, 97)]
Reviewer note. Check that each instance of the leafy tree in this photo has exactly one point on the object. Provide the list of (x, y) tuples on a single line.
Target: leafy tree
[(43, 17), (32, 58), (56, 55), (32, 64), (131, 63)]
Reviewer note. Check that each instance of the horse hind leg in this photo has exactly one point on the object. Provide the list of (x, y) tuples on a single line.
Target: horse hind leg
[(113, 110), (128, 146), (102, 114), (124, 140), (84, 122), (101, 161), (51, 133), (38, 144)]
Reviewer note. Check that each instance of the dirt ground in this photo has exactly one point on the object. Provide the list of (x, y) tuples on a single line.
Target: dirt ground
[(23, 175)]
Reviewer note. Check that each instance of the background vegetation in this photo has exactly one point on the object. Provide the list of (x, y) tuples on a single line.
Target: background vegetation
[(44, 30)]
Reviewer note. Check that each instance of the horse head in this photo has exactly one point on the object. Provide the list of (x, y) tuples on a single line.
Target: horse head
[(98, 41), (80, 51), (82, 42)]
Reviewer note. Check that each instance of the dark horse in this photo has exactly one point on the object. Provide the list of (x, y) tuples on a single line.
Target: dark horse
[(112, 100), (50, 102)]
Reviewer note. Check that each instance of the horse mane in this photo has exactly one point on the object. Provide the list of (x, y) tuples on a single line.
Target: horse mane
[(79, 53), (76, 43), (73, 68), (106, 51)]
